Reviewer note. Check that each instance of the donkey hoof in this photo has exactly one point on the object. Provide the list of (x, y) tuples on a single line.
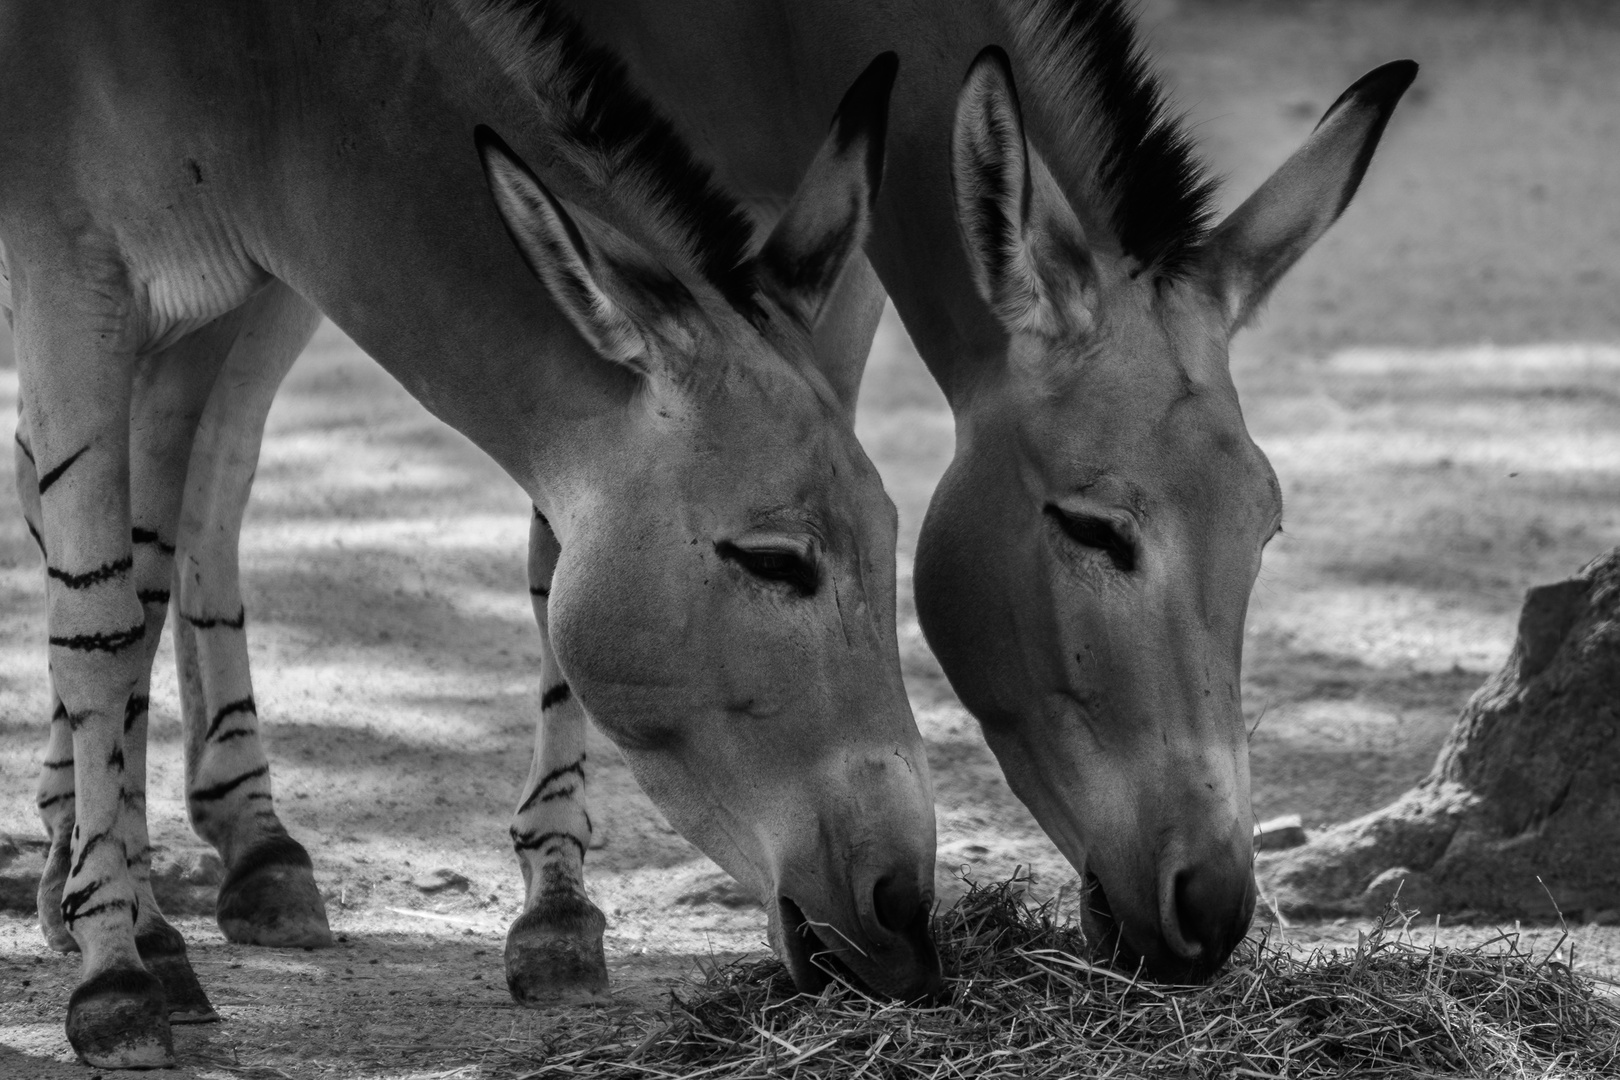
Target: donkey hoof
[(119, 1020), (58, 938), (554, 953), (51, 923), (163, 951), (269, 898)]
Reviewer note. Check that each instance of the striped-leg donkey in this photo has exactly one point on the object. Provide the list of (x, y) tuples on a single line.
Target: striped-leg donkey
[(722, 599)]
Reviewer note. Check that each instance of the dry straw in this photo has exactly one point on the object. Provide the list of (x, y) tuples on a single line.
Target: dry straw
[(1024, 1003)]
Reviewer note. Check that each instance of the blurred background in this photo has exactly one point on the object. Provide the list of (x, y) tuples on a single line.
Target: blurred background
[(1437, 385)]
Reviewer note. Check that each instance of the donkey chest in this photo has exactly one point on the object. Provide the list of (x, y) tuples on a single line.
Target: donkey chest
[(184, 273)]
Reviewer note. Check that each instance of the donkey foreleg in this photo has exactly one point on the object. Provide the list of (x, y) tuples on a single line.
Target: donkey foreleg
[(54, 794), (554, 949), (268, 896), (75, 360)]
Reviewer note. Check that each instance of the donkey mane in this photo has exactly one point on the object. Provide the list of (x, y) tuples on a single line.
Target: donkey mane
[(618, 139), (1129, 155)]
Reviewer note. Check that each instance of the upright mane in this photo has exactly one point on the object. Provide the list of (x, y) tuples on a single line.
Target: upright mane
[(617, 138), (1134, 163)]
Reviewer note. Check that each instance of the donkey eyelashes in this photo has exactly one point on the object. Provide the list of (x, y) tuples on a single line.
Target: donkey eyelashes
[(1105, 535), (776, 565)]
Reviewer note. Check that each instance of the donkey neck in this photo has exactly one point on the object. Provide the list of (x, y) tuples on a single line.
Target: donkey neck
[(329, 145), (395, 237)]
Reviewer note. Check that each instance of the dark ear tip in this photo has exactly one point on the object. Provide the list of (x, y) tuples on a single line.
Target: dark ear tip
[(883, 68), (866, 102), (490, 144), (995, 56), (1386, 83), (1381, 88)]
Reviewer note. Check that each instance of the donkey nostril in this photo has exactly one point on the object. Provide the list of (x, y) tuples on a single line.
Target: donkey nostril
[(1211, 904), (1192, 931), (896, 901)]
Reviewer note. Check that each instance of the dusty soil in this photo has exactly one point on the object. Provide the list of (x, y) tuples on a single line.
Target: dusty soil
[(1438, 385)]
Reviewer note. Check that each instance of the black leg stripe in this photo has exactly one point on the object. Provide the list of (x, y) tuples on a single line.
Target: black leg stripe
[(71, 917), (576, 769), (89, 846), (235, 733), (540, 590), (68, 764), (47, 481), (203, 622), (46, 804), (560, 793), (242, 705), (527, 842), (115, 760), (147, 536), (105, 572), (26, 452), (60, 713), (555, 696), (152, 596), (138, 704), (38, 539), (219, 791), (116, 641)]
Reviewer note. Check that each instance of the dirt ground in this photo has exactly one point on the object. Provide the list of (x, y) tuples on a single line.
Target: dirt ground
[(1437, 384)]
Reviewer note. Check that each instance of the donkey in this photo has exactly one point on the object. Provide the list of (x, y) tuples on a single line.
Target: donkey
[(1047, 235), (186, 186)]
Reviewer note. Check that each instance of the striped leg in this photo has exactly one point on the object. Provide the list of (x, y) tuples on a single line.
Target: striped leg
[(168, 394), (54, 797), (554, 949), (269, 896), (75, 371)]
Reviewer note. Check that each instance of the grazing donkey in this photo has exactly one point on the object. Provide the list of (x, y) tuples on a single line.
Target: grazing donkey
[(183, 187), (1045, 232)]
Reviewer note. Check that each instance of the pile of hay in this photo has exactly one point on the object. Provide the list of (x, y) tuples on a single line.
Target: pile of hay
[(1023, 1003)]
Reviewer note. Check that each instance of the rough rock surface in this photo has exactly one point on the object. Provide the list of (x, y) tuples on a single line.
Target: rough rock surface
[(1520, 816)]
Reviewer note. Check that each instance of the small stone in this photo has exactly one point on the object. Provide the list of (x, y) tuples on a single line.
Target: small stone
[(1279, 833), (441, 880), (719, 888), (1409, 888)]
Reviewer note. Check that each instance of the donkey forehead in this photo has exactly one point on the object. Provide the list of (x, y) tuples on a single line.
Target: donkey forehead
[(1148, 407)]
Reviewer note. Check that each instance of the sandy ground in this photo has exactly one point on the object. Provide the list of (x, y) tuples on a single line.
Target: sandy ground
[(1438, 385)]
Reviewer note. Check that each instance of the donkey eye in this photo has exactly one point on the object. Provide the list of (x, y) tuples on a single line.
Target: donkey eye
[(776, 565), (1098, 533)]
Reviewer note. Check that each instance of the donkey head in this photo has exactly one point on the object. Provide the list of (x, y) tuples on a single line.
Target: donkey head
[(1084, 570), (724, 602)]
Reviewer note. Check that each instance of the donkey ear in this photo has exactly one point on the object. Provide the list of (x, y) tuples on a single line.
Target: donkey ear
[(1249, 251), (830, 215), (1008, 208), (558, 253)]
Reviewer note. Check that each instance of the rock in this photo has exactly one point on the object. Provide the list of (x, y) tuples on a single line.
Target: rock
[(441, 880), (718, 888), (1279, 833), (196, 868), (1520, 815)]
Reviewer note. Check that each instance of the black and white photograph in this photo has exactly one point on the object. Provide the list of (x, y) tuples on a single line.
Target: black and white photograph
[(746, 539)]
